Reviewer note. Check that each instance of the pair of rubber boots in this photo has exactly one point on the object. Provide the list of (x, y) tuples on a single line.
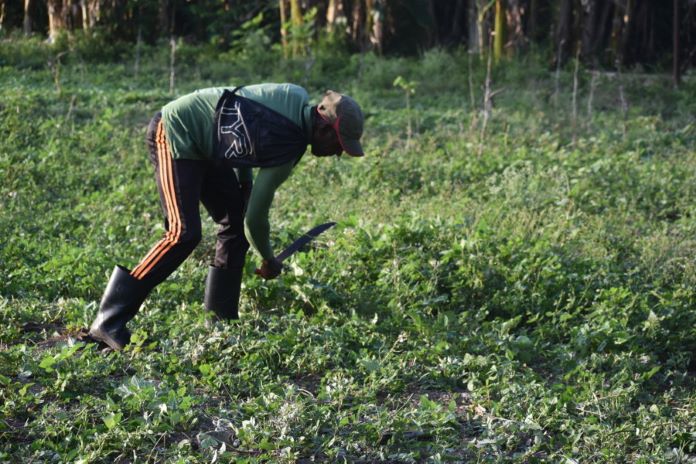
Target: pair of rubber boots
[(124, 294)]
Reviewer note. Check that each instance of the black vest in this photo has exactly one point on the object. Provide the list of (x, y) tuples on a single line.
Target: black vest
[(249, 134)]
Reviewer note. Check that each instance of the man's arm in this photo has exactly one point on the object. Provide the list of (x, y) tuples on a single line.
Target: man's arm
[(256, 225)]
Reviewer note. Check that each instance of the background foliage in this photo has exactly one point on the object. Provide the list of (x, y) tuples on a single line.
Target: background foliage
[(605, 34)]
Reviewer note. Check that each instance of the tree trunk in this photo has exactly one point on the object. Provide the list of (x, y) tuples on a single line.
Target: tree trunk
[(85, 15), (472, 29), (626, 32), (172, 64), (515, 30), (172, 20), (331, 15), (589, 36), (563, 30), (433, 30), (644, 28), (356, 23), (616, 33), (90, 13), (283, 27), (296, 21), (483, 26), (27, 23), (377, 35), (532, 21), (70, 12), (320, 16), (676, 71), (456, 29), (56, 19), (164, 17), (499, 38), (603, 28), (95, 13), (369, 24), (2, 15), (334, 11)]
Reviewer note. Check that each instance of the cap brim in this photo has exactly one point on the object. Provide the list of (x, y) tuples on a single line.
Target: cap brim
[(352, 147)]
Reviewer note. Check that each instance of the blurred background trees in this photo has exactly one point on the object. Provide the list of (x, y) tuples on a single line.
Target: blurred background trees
[(602, 33)]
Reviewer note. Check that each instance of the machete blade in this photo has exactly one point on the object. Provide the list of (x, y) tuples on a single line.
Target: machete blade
[(303, 240)]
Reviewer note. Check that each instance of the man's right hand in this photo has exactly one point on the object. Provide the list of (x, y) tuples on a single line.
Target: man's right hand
[(270, 269)]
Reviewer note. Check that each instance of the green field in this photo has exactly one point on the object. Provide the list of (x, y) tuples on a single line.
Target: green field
[(525, 293)]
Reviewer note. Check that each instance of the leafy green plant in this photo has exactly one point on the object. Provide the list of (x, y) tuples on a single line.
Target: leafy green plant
[(531, 304), (409, 89)]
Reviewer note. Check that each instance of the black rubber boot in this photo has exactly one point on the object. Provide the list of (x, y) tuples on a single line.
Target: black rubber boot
[(122, 298), (222, 289)]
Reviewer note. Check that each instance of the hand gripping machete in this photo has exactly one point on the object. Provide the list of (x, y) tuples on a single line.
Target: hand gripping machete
[(303, 240)]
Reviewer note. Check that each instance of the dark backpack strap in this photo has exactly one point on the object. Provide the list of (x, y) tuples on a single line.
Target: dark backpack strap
[(270, 138)]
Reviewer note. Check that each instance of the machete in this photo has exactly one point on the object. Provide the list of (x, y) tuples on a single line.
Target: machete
[(303, 240)]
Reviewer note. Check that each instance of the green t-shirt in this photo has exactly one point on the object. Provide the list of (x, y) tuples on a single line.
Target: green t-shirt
[(188, 124), (189, 120)]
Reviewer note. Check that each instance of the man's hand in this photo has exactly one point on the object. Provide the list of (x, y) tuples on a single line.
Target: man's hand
[(270, 269)]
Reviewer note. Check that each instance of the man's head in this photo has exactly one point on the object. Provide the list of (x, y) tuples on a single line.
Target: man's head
[(338, 126)]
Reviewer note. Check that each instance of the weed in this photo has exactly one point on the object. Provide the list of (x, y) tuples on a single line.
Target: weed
[(531, 304)]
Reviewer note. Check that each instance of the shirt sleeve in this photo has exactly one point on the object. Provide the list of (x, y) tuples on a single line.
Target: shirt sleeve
[(256, 225)]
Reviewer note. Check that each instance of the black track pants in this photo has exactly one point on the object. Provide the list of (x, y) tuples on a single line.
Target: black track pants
[(182, 184)]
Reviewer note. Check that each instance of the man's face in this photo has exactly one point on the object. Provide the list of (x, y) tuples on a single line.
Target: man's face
[(325, 139)]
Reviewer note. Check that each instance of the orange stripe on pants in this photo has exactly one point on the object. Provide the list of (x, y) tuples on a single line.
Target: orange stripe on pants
[(174, 228)]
